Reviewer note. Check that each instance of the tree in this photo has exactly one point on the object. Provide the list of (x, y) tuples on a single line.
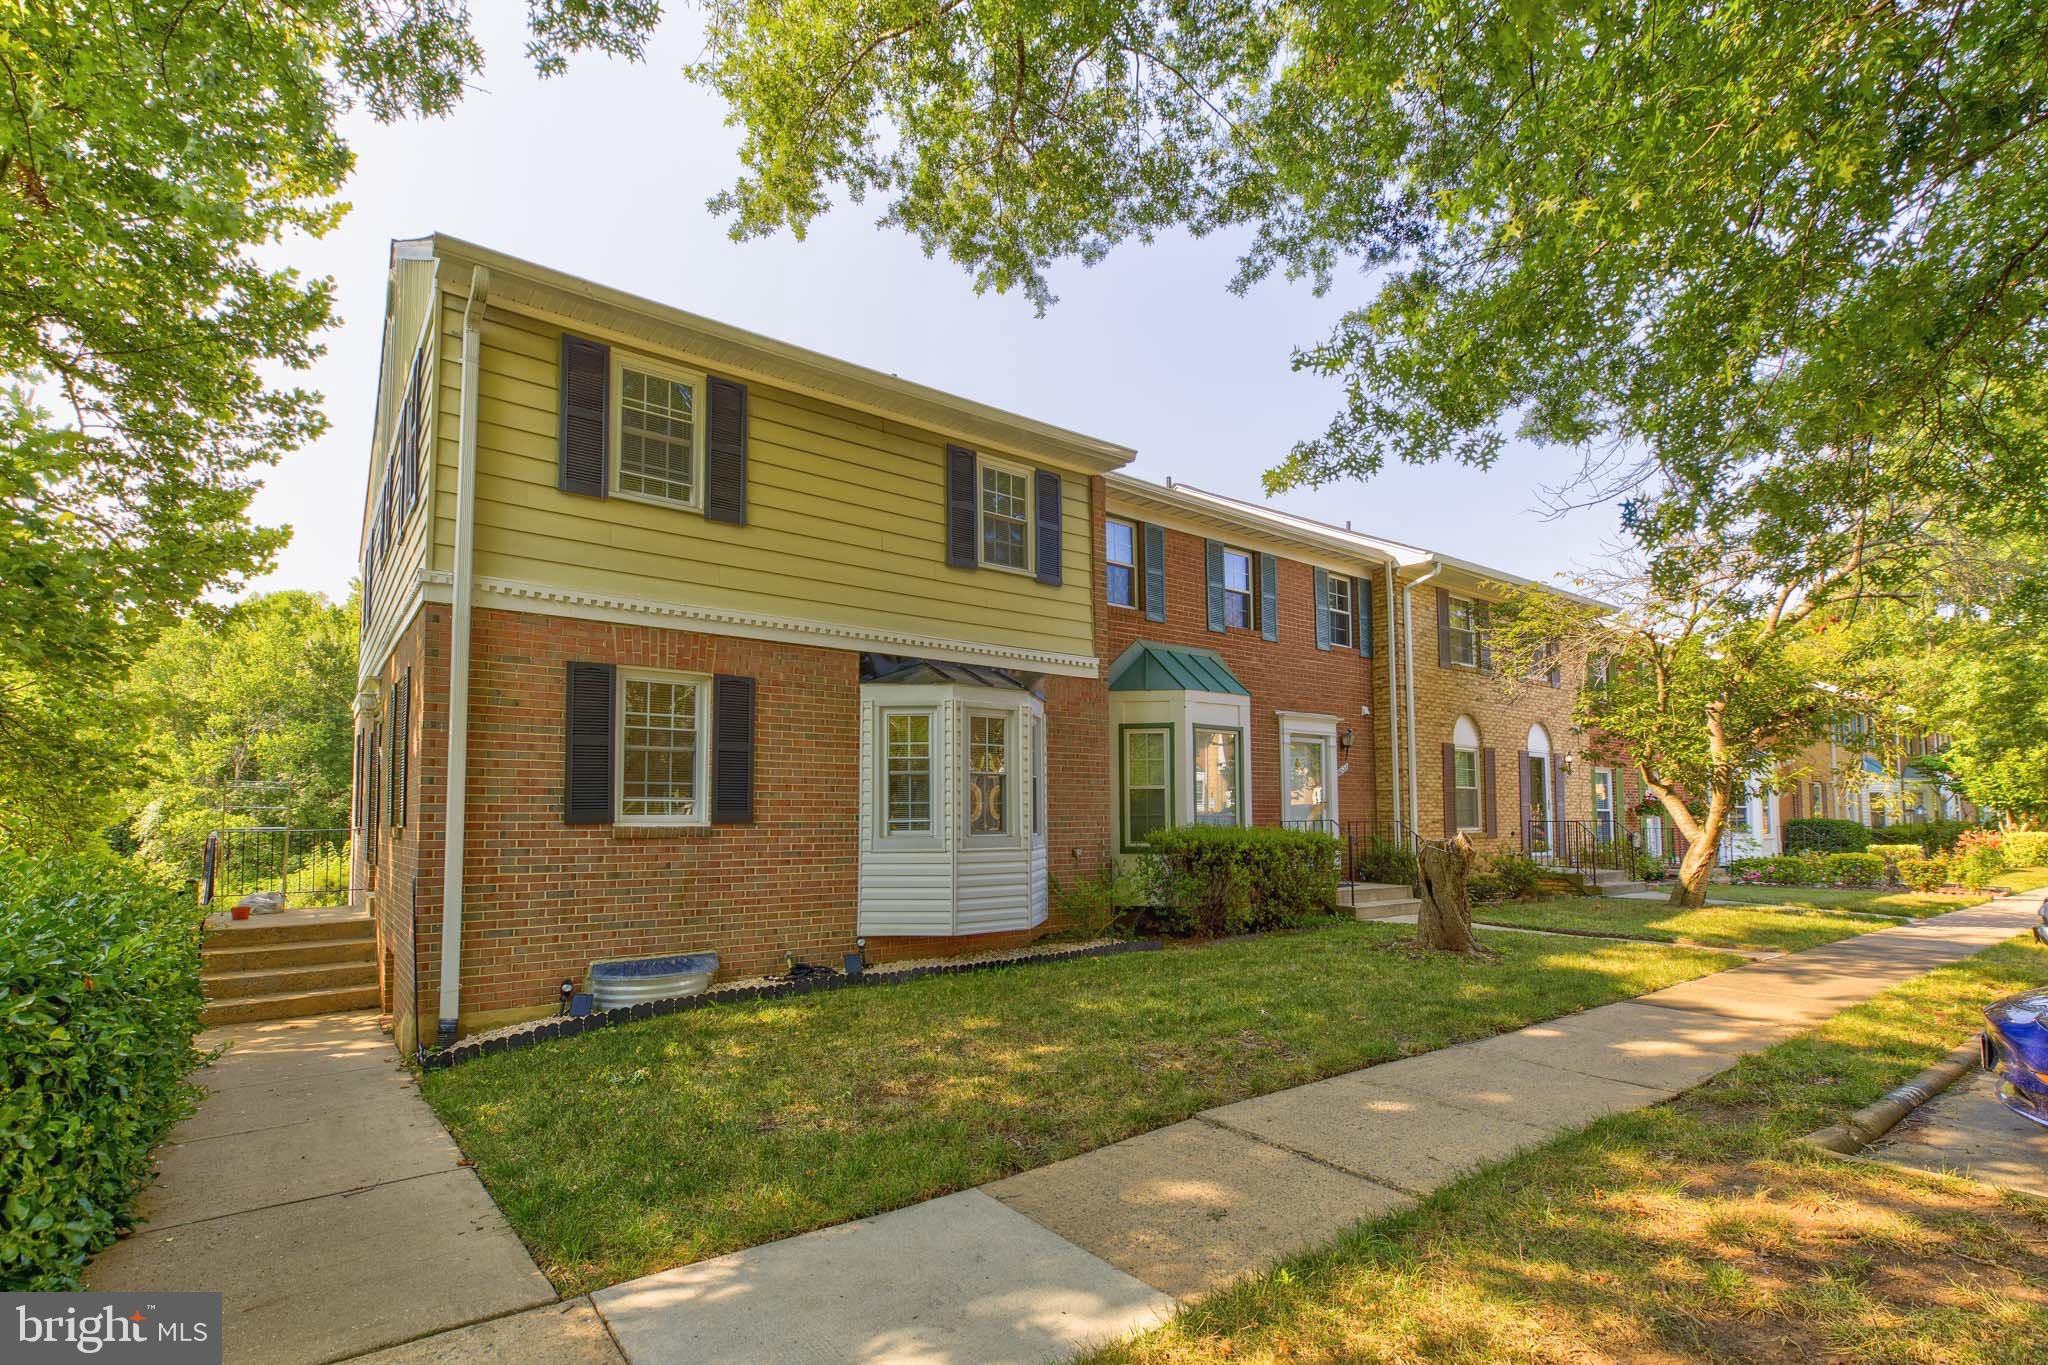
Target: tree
[(147, 149), (1445, 922)]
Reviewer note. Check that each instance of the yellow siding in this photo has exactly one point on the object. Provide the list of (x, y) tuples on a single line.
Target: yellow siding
[(398, 574), (845, 511)]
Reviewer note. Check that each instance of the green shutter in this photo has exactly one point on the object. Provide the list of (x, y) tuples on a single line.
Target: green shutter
[(1322, 591)]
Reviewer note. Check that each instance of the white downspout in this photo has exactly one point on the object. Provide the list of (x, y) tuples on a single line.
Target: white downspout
[(1393, 697), (1408, 645), (455, 820)]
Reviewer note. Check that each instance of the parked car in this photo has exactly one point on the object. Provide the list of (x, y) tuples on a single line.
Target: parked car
[(2015, 1048)]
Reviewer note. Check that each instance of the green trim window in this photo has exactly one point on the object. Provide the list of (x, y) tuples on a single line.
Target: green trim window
[(1219, 776), (1120, 562), (1148, 782)]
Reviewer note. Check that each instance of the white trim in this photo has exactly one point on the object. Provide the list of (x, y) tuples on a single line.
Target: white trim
[(700, 762), (508, 594), (1013, 783), (657, 368), (932, 837), (1321, 730), (982, 465)]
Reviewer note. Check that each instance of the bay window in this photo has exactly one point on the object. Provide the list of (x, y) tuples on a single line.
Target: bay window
[(1217, 789)]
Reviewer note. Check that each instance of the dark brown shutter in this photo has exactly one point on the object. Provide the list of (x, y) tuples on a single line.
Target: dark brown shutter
[(1269, 597), (1522, 785), (1450, 791), (725, 452), (587, 782), (1215, 568), (1051, 545), (960, 508), (401, 750), (1322, 592), (1155, 572), (1481, 620), (1443, 628), (360, 737), (376, 789), (586, 383), (732, 751), (1489, 815)]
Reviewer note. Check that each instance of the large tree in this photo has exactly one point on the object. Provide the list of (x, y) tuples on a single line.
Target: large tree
[(148, 149)]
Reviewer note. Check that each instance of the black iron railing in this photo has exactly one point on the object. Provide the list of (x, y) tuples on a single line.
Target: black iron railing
[(1582, 847), (309, 866), (1383, 848)]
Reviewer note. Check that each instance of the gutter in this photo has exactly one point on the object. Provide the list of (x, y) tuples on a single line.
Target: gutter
[(455, 820), (1408, 648), (1393, 698)]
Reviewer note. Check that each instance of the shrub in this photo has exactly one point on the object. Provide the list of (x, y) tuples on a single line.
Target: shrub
[(1979, 856), (1208, 880), (1481, 887), (1855, 869), (1825, 836), (1517, 874), (101, 965), (1806, 870), (2026, 848), (1924, 874), (1933, 836), (1386, 860), (1893, 853), (1091, 907)]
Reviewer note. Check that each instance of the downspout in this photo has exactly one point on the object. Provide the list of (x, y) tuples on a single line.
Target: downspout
[(455, 818), (1408, 649), (1393, 698)]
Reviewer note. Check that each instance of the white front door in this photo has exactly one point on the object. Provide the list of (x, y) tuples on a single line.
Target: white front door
[(1603, 804), (1538, 787)]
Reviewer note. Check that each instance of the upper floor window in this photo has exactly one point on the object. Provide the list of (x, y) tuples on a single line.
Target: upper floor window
[(661, 754), (1237, 589), (1464, 631), (658, 437), (1342, 630), (1005, 517), (1120, 561)]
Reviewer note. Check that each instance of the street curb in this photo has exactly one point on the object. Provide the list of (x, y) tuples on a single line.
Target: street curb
[(1873, 1121)]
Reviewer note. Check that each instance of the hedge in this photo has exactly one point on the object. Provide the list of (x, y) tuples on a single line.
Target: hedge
[(1209, 880), (2026, 848), (1924, 874), (1933, 836), (1855, 869), (1813, 869), (1825, 836), (101, 965)]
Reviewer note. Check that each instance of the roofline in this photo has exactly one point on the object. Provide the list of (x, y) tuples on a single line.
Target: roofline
[(528, 286)]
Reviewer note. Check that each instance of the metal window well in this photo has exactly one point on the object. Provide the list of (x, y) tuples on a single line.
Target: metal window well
[(619, 981)]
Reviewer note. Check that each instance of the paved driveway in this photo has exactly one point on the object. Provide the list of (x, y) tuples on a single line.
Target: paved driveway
[(1966, 1131)]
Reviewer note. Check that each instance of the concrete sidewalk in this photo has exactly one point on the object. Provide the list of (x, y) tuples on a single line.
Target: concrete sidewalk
[(318, 1193)]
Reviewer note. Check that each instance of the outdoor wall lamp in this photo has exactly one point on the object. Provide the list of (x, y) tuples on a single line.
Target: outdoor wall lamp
[(1344, 738)]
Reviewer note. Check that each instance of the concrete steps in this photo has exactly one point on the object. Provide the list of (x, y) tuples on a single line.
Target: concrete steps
[(1377, 900), (288, 968)]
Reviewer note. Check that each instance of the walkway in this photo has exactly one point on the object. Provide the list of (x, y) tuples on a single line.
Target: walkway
[(317, 1191)]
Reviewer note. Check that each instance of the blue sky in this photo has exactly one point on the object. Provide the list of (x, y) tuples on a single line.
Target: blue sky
[(604, 173)]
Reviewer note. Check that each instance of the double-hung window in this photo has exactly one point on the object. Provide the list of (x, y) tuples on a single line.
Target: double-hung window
[(907, 772), (1217, 789), (1120, 562), (1464, 632), (1237, 589), (1148, 783), (663, 756), (1005, 517), (988, 774), (1342, 631), (1465, 787), (657, 431)]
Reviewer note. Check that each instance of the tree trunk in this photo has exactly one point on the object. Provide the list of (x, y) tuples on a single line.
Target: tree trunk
[(1689, 892), (1445, 924)]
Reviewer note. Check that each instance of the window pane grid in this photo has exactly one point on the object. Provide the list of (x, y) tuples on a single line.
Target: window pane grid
[(657, 420), (1340, 611), (1465, 774), (658, 743), (988, 770), (908, 774), (1146, 784), (1005, 508), (1216, 777), (1120, 562), (1237, 589)]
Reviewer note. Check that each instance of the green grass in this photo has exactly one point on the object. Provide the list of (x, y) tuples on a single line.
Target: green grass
[(1785, 928), (2024, 879), (656, 1144), (1692, 1230), (1907, 904)]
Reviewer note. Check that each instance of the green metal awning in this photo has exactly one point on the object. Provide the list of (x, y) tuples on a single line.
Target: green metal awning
[(1149, 667)]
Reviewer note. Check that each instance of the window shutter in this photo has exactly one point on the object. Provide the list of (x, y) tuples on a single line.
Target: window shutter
[(1215, 566), (960, 517), (1322, 591), (1450, 791), (358, 803), (1556, 675), (401, 755), (1443, 628), (1155, 573), (587, 781), (1522, 785), (1361, 606), (376, 747), (1269, 597), (586, 382), (1489, 816), (725, 452), (395, 738), (1051, 544), (1481, 618), (732, 751)]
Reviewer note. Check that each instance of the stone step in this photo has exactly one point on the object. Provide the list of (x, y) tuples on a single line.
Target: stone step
[(1625, 888), (1387, 909), (287, 980), (1352, 894), (235, 957), (291, 1005), (276, 929)]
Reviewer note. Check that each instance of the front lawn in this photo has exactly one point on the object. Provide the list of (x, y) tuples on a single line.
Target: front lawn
[(655, 1144), (1695, 1230), (1903, 904), (1785, 928)]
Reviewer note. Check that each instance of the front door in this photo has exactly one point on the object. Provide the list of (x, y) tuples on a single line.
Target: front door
[(1308, 780), (1603, 804), (1537, 784)]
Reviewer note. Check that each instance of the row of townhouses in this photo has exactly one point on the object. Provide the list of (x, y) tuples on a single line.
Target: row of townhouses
[(678, 638)]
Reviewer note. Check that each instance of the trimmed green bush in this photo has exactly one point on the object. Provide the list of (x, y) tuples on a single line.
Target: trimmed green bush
[(101, 969), (2026, 848), (1891, 853), (1933, 836), (1825, 836), (1806, 870), (1386, 860), (1855, 869), (1517, 874), (1924, 874), (1979, 857), (1207, 880)]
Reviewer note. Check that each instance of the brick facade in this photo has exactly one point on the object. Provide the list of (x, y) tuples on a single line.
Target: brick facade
[(1284, 674)]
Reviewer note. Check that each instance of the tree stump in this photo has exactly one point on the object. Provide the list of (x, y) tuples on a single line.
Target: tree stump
[(1445, 922)]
